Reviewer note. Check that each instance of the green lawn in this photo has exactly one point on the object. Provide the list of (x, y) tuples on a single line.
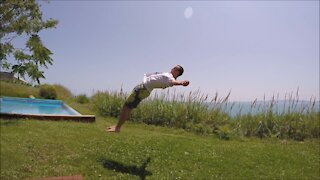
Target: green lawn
[(36, 149)]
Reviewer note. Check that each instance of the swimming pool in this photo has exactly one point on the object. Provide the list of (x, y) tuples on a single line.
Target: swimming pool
[(11, 107)]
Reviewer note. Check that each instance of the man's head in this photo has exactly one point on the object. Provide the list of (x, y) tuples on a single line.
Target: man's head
[(177, 71)]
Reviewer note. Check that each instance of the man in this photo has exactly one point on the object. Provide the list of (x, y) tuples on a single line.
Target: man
[(142, 91)]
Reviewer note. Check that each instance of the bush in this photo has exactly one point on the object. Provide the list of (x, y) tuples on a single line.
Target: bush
[(47, 91), (82, 99), (62, 92), (224, 132)]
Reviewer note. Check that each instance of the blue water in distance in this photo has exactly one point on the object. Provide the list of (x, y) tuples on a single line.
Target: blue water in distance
[(280, 107), (34, 106)]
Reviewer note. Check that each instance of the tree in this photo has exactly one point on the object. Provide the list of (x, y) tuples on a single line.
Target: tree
[(24, 18)]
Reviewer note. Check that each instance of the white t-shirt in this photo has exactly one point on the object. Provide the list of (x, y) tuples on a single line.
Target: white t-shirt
[(158, 80)]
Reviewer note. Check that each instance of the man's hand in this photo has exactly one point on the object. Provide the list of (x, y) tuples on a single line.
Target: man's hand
[(185, 83)]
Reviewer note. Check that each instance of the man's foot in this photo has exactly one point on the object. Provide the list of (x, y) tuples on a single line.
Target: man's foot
[(113, 129)]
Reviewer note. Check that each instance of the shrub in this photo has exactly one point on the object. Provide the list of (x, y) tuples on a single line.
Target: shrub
[(224, 132), (47, 91), (82, 99), (62, 92)]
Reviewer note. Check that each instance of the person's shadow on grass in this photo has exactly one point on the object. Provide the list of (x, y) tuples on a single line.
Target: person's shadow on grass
[(130, 169)]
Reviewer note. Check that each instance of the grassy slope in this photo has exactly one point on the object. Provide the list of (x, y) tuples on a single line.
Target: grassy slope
[(17, 90), (34, 149)]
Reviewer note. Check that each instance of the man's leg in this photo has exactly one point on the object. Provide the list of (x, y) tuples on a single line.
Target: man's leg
[(124, 115), (138, 94)]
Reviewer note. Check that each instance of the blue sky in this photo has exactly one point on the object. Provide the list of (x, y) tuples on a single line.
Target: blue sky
[(253, 48)]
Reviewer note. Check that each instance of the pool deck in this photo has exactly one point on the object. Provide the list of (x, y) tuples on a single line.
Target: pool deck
[(55, 117)]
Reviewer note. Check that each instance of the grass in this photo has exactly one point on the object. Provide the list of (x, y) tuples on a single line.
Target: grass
[(17, 90), (32, 149), (25, 91), (36, 149)]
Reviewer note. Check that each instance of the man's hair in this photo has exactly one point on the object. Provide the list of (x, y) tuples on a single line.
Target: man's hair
[(180, 68)]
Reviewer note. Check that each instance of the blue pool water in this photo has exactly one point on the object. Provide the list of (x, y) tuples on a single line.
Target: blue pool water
[(34, 106)]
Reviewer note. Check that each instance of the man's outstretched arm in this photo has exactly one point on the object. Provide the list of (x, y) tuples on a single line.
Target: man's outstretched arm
[(180, 83)]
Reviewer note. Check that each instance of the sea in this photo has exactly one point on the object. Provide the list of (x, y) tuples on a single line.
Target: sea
[(277, 107)]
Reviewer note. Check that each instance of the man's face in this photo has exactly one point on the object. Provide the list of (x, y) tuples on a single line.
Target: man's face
[(175, 70)]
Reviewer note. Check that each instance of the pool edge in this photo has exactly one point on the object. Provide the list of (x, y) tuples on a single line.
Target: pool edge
[(55, 117)]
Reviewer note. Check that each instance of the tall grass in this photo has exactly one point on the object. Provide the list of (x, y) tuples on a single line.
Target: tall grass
[(108, 103), (289, 118), (195, 112)]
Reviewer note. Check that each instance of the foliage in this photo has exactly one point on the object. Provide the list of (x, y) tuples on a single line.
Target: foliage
[(82, 99), (63, 92), (47, 91), (17, 89), (224, 132), (108, 103), (193, 113), (24, 18)]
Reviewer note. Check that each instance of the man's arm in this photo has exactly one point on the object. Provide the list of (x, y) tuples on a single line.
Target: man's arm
[(180, 83)]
